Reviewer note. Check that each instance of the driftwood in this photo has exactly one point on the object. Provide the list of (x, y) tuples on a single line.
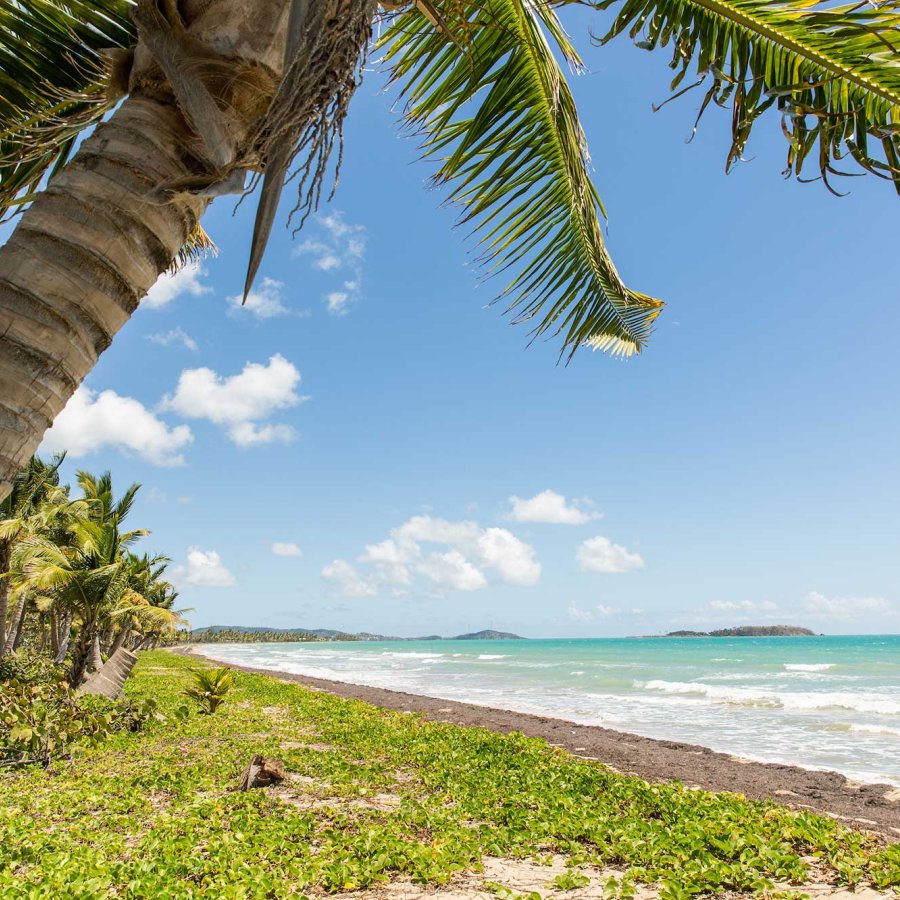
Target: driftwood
[(261, 772), (111, 678)]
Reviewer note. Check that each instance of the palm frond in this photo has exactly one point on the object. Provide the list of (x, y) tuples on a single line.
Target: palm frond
[(493, 103), (52, 83), (832, 71)]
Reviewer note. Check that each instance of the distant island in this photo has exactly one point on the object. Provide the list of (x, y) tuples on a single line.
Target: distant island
[(749, 631), (249, 634)]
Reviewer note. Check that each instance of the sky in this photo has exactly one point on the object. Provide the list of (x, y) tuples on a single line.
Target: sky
[(369, 445)]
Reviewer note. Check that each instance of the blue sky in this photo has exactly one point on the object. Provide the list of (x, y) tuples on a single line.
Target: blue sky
[(373, 417)]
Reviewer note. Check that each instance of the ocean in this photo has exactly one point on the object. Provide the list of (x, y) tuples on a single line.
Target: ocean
[(830, 702)]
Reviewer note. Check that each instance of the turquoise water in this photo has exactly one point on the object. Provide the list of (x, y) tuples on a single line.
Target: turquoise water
[(820, 702)]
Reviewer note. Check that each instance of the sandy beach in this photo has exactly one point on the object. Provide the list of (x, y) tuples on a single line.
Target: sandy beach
[(872, 807)]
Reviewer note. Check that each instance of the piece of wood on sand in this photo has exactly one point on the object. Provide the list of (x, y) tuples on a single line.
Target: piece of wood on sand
[(261, 772)]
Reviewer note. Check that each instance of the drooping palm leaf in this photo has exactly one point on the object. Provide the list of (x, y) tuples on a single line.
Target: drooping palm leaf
[(52, 83), (832, 71), (497, 113)]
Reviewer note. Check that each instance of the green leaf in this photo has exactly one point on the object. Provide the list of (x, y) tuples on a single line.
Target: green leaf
[(497, 114), (52, 83), (833, 72)]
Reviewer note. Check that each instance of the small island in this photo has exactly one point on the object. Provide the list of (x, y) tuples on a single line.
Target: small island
[(748, 631)]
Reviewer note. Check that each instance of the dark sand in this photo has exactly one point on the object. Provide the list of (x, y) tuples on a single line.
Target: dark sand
[(873, 807)]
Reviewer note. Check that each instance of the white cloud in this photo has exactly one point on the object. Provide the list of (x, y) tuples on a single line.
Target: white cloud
[(550, 508), (175, 336), (515, 561), (90, 421), (452, 571), (204, 569), (171, 285), (240, 402), (472, 554), (577, 614), (342, 246), (286, 548), (749, 606), (847, 607), (599, 554), (346, 581), (264, 303), (327, 262), (336, 303)]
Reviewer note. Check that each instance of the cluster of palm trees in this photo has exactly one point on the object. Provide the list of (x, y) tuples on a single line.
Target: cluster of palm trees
[(71, 586)]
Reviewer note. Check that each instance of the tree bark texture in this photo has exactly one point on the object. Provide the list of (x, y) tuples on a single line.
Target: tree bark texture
[(92, 244)]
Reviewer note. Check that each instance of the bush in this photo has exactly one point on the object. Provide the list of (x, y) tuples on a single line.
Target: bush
[(40, 721), (30, 668), (209, 688)]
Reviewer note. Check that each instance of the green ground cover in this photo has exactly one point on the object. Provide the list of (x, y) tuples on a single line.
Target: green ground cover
[(375, 796)]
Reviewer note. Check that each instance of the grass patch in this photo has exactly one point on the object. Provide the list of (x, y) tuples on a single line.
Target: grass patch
[(151, 815)]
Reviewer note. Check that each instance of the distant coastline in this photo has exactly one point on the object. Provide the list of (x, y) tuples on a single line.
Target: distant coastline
[(249, 634), (748, 631)]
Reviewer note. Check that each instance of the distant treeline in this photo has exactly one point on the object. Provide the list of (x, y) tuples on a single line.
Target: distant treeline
[(749, 631), (234, 636)]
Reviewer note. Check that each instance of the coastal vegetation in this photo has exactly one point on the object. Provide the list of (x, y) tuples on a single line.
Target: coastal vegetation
[(248, 634), (372, 798), (207, 99), (73, 592), (749, 631)]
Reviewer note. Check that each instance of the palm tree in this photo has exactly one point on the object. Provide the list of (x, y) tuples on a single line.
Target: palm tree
[(26, 509), (90, 575), (220, 97)]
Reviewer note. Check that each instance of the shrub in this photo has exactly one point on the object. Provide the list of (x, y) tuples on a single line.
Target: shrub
[(40, 721), (30, 668), (209, 688)]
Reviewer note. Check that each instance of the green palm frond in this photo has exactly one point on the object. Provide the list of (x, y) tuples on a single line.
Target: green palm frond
[(832, 71), (493, 103), (52, 83)]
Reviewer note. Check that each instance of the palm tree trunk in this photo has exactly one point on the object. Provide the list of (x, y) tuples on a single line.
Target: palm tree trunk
[(62, 641), (121, 637), (4, 593), (81, 258), (54, 633), (96, 655), (15, 625), (91, 245), (80, 656), (19, 619)]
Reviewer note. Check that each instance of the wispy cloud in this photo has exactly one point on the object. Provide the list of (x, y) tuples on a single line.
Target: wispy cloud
[(339, 247), (176, 336)]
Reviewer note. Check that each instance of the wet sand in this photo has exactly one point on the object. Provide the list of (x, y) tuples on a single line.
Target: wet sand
[(873, 807)]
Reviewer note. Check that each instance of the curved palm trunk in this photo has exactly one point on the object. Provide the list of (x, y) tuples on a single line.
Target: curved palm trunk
[(79, 261), (4, 593), (62, 640), (120, 639), (14, 636), (92, 244)]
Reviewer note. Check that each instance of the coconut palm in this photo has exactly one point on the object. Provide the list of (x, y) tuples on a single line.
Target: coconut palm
[(89, 575), (221, 97), (27, 509)]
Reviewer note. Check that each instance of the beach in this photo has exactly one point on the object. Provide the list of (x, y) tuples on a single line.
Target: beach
[(869, 806)]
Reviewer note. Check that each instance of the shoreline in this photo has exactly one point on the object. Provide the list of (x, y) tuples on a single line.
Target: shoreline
[(871, 807)]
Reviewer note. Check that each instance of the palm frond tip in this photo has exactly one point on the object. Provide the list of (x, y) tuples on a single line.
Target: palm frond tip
[(496, 111), (832, 71)]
